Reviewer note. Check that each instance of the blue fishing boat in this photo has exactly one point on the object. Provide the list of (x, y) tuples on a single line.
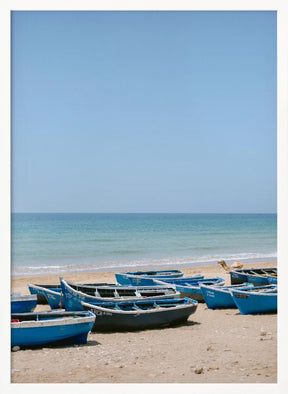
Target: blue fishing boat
[(23, 303), (74, 294), (259, 279), (42, 290), (260, 299), (190, 287), (38, 290), (272, 280), (140, 315), (219, 296), (124, 278), (53, 296), (31, 329), (257, 276), (134, 280)]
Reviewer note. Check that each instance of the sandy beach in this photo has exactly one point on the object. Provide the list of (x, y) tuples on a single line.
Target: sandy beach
[(223, 345)]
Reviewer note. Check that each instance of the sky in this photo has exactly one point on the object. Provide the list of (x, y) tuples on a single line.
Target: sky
[(144, 111)]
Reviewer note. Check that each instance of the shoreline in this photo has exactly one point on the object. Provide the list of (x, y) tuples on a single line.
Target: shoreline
[(70, 269), (228, 346), (108, 276)]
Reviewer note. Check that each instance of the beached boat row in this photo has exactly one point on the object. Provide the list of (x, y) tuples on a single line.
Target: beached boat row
[(257, 276), (125, 308), (139, 300), (247, 298)]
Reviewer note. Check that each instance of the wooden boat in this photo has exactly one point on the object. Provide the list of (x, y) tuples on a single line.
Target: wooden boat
[(40, 290), (52, 296), (126, 278), (272, 280), (257, 276), (260, 299), (190, 287), (139, 315), (23, 303), (135, 280), (74, 294), (30, 329), (220, 296)]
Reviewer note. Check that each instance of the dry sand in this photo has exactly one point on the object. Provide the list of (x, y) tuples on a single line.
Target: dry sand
[(225, 346)]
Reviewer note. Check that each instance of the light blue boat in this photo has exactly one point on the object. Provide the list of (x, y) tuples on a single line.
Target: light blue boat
[(39, 290), (190, 287), (126, 278), (52, 295), (219, 296), (23, 303), (75, 294), (31, 329), (260, 299)]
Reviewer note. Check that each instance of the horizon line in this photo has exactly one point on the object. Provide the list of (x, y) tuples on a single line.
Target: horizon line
[(151, 213)]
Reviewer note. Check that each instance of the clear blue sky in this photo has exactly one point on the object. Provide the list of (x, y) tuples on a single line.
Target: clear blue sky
[(144, 111)]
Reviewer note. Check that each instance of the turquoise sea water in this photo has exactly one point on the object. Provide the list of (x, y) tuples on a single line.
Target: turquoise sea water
[(58, 243)]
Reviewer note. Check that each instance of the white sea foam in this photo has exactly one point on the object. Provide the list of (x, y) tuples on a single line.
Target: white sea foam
[(140, 264)]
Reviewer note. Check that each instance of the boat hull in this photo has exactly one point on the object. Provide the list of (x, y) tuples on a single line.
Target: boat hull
[(73, 298), (23, 304), (53, 298), (254, 302), (252, 275), (43, 291), (257, 280), (134, 280), (53, 330), (40, 291), (125, 278), (220, 297), (195, 293), (112, 320), (272, 280), (189, 287)]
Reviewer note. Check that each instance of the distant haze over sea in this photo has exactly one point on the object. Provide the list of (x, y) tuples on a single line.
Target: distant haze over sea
[(75, 242)]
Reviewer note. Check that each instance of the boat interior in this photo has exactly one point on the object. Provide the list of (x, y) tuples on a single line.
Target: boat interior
[(117, 291), (44, 316)]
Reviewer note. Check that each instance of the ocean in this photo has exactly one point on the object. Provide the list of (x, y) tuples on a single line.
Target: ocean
[(58, 243)]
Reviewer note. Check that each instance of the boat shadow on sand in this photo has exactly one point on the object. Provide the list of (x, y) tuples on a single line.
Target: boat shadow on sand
[(155, 329), (61, 345), (256, 314)]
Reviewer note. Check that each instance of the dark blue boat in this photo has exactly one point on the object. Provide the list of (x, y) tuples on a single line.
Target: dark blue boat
[(257, 276), (260, 299), (140, 315), (30, 329), (219, 296), (190, 287), (74, 294), (23, 303), (126, 278)]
